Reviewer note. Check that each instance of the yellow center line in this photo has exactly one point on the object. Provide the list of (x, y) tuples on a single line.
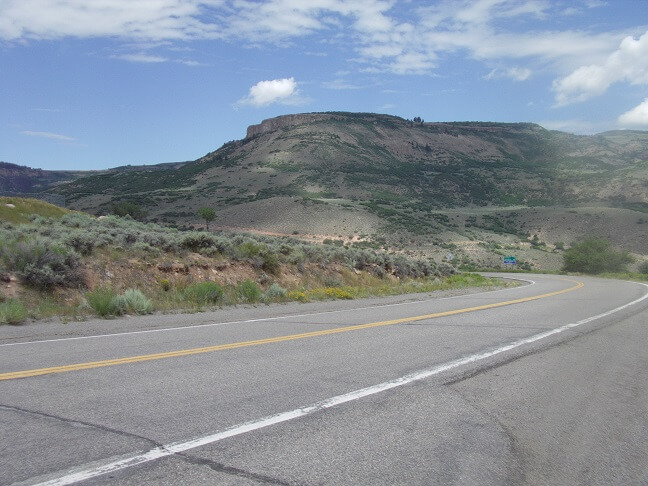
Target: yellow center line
[(292, 337)]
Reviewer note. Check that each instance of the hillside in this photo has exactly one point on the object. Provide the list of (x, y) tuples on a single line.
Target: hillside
[(21, 179), (353, 174), (55, 262), (19, 210)]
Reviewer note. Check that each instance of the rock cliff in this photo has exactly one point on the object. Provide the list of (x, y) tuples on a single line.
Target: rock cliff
[(272, 124)]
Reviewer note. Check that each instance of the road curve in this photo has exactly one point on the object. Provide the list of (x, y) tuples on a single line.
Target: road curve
[(489, 387)]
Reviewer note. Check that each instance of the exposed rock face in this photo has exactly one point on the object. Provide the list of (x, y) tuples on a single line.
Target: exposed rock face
[(273, 124)]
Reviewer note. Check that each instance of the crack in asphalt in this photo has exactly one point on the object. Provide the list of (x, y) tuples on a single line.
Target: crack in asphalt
[(569, 336), (233, 471), (74, 422), (515, 472), (215, 466)]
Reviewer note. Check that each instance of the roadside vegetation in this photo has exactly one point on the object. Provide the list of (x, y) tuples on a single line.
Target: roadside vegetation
[(589, 256), (595, 256), (74, 265)]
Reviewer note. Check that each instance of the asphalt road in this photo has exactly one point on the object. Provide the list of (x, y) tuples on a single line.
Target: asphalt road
[(546, 383)]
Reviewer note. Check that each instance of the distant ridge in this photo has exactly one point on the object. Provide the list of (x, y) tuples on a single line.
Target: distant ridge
[(382, 158)]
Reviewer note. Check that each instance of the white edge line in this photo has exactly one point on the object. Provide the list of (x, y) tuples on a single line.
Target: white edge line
[(263, 319), (178, 447)]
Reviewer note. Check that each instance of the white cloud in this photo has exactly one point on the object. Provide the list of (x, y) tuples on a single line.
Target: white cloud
[(151, 20), (140, 57), (629, 63), (479, 28), (50, 135), (265, 93), (638, 116), (412, 63), (282, 20), (497, 32), (316, 54), (147, 58), (518, 74), (190, 62), (515, 73), (595, 3)]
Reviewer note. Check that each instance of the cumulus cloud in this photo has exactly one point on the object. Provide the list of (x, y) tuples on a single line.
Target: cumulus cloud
[(265, 93), (638, 116), (628, 63), (50, 135)]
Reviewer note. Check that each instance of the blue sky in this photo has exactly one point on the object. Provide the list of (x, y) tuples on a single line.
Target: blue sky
[(92, 84)]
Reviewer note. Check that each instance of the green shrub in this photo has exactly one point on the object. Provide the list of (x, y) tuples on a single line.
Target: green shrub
[(248, 291), (274, 293), (204, 293), (643, 268), (104, 302), (595, 255), (209, 251), (43, 265), (333, 281), (270, 262), (76, 220), (118, 305), (12, 312), (249, 249), (137, 302), (144, 247), (165, 284), (196, 241), (81, 241), (127, 208)]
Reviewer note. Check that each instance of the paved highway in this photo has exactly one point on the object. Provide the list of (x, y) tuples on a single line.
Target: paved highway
[(546, 383)]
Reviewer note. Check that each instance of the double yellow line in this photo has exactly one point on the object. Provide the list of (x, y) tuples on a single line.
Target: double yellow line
[(292, 337)]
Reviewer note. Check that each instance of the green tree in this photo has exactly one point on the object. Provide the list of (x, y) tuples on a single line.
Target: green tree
[(129, 208), (595, 255), (208, 214)]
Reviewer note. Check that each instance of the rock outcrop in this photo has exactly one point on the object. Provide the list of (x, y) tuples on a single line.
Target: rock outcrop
[(273, 124)]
